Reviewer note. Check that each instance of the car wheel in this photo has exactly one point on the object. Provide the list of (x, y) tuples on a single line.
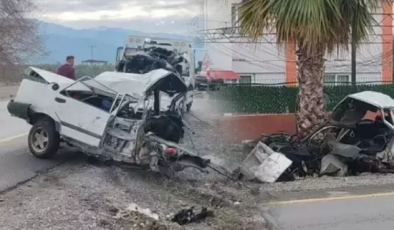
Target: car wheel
[(43, 140)]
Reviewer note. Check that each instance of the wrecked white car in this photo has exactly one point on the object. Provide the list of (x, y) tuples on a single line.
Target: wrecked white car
[(99, 116)]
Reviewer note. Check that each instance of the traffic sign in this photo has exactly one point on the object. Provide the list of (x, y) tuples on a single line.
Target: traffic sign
[(206, 62)]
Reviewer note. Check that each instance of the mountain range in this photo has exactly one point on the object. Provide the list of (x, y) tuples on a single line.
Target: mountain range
[(61, 41)]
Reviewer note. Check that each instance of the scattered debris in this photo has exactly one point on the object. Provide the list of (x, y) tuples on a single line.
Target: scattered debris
[(186, 216), (264, 164), (332, 166), (273, 167), (146, 211), (143, 219)]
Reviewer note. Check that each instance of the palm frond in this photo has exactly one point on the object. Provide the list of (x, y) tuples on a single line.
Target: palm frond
[(315, 24)]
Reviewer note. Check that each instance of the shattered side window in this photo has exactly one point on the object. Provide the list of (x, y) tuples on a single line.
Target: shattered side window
[(91, 92), (98, 87), (352, 111)]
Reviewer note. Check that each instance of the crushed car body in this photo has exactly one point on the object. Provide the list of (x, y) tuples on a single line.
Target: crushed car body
[(101, 116), (142, 55), (358, 138)]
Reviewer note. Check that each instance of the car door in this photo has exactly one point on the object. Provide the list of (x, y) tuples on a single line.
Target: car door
[(81, 121)]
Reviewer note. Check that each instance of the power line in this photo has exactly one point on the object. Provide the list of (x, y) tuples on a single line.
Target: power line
[(370, 53), (230, 35)]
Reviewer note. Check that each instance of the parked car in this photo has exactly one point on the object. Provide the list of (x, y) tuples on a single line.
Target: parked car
[(202, 83)]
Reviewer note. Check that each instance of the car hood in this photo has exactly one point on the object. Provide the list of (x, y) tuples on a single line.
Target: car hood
[(143, 84)]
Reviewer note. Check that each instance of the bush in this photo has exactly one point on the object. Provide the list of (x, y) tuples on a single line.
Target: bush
[(283, 99)]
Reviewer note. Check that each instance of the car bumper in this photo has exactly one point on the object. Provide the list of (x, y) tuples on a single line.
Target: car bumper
[(18, 109)]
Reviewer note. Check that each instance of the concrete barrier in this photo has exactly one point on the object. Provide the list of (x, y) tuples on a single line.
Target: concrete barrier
[(237, 128)]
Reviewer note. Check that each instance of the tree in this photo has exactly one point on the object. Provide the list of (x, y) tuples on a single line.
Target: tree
[(317, 27), (19, 39)]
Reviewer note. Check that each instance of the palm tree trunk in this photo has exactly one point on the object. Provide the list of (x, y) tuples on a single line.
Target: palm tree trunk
[(311, 101)]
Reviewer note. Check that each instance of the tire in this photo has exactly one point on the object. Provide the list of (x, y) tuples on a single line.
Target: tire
[(48, 146)]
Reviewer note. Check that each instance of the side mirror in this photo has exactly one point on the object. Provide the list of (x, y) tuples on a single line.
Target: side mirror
[(55, 86)]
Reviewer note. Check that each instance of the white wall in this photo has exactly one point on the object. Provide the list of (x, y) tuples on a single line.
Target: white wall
[(216, 14), (369, 56)]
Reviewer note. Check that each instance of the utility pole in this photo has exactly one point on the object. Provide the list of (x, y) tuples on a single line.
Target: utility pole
[(353, 54), (91, 51)]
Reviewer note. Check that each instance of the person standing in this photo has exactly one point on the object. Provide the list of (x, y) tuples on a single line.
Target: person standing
[(67, 69)]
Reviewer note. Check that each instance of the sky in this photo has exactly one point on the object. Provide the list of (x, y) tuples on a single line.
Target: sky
[(179, 16)]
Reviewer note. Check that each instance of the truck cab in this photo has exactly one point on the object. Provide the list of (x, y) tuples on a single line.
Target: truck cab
[(138, 45)]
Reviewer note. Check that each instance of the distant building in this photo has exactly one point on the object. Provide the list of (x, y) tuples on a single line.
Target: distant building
[(265, 62), (94, 62)]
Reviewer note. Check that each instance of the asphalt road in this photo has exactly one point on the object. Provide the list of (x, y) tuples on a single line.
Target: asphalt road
[(16, 163), (355, 212), (10, 126)]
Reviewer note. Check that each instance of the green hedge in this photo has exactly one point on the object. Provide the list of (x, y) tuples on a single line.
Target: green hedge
[(282, 99)]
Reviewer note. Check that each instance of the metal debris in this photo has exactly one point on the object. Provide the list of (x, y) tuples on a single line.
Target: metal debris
[(264, 164), (358, 138), (186, 216)]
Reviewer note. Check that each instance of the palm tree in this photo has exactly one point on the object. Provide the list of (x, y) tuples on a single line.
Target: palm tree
[(318, 27)]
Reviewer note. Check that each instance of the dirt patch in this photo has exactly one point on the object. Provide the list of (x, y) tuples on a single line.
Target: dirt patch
[(7, 92), (10, 75), (81, 196)]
